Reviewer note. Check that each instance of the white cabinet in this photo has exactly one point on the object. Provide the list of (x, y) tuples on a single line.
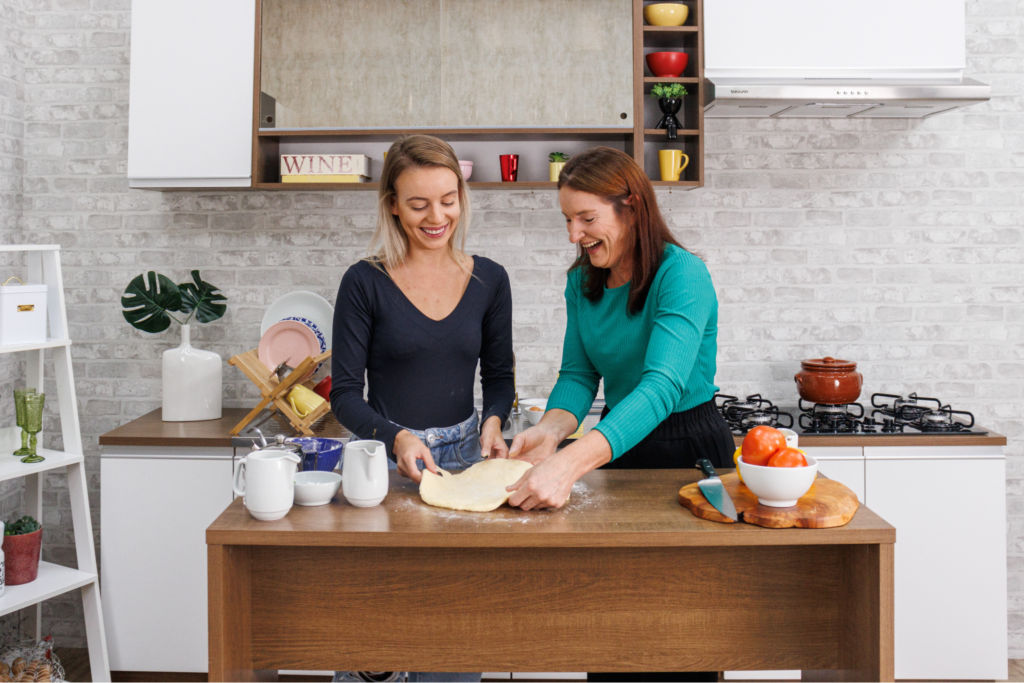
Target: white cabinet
[(948, 505), (191, 97), (843, 464), (155, 511)]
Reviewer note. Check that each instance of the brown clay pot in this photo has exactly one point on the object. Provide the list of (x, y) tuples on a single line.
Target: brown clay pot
[(21, 557), (827, 380)]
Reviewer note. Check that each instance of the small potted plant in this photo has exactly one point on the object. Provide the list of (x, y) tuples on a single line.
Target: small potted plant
[(191, 378), (23, 540), (670, 99), (557, 160)]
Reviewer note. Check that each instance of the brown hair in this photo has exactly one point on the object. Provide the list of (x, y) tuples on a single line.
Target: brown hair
[(613, 176), (389, 245)]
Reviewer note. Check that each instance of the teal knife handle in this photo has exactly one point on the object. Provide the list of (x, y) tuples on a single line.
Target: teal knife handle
[(705, 466)]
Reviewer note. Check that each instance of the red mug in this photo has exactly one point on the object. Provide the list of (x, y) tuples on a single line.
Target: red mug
[(509, 167)]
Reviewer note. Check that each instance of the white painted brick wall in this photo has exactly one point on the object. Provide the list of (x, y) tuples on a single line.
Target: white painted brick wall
[(891, 242)]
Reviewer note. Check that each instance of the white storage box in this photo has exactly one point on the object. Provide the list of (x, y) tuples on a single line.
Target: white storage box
[(22, 313)]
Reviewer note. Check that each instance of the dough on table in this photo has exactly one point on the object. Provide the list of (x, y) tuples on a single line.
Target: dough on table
[(481, 488)]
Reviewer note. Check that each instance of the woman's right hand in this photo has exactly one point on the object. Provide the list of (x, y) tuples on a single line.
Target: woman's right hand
[(408, 449), (534, 444)]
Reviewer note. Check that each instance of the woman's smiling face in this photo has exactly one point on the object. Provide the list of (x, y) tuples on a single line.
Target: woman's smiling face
[(427, 205), (593, 224)]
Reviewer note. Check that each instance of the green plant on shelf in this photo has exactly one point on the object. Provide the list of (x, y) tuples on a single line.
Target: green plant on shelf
[(20, 527), (668, 91), (558, 157), (149, 308)]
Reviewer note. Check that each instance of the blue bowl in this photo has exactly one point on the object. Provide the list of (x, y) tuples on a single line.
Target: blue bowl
[(323, 453)]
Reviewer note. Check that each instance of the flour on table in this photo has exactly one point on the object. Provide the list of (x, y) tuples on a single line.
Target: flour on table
[(481, 488)]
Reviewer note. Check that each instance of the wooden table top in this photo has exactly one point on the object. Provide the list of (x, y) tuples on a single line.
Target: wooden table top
[(608, 508), (151, 431)]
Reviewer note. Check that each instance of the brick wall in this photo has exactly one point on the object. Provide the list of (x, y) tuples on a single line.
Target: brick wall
[(894, 243)]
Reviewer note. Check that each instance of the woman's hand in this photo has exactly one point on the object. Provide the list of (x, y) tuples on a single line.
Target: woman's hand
[(408, 449), (541, 441), (548, 483), (492, 443)]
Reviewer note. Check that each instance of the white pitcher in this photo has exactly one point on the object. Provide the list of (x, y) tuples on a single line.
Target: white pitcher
[(266, 481), (364, 476)]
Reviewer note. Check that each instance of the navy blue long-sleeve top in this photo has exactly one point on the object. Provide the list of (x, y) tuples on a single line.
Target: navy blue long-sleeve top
[(419, 371)]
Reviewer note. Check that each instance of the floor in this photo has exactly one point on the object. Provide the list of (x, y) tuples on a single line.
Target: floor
[(76, 669)]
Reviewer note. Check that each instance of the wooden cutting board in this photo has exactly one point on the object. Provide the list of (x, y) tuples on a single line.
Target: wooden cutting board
[(827, 504)]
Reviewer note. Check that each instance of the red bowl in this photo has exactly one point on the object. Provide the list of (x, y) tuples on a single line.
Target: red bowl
[(667, 64)]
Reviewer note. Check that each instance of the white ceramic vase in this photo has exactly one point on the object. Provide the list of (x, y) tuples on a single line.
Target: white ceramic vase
[(192, 383)]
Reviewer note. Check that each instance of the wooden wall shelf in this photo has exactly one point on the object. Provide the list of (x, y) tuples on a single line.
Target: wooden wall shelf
[(641, 140)]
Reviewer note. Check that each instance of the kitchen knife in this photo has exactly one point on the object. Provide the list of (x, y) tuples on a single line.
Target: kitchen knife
[(714, 490)]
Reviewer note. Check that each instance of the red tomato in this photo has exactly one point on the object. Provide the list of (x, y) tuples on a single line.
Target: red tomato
[(761, 443), (788, 457)]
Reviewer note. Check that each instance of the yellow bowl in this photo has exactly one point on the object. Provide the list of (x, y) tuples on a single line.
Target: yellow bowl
[(666, 14)]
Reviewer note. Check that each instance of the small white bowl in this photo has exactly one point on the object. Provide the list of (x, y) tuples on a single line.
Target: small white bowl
[(778, 487), (533, 416), (316, 488)]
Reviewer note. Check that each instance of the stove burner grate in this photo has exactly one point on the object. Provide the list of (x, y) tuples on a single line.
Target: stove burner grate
[(742, 415)]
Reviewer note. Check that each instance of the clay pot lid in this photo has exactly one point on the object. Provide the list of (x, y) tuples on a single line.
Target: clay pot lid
[(828, 364)]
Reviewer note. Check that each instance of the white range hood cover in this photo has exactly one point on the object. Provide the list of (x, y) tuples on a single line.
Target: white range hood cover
[(829, 58)]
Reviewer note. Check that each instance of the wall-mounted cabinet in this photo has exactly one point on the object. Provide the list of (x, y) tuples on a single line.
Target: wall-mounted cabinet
[(349, 77)]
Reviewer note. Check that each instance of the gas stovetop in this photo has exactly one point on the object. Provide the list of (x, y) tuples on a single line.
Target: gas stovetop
[(890, 415)]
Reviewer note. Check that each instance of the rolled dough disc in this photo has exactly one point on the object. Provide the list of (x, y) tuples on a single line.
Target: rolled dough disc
[(481, 488)]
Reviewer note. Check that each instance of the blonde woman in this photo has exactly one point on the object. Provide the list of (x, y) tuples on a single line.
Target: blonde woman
[(416, 317)]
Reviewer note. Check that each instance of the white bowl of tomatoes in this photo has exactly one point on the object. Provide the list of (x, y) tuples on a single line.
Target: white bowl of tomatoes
[(776, 474)]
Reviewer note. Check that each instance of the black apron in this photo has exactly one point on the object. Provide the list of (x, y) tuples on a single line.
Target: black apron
[(677, 443)]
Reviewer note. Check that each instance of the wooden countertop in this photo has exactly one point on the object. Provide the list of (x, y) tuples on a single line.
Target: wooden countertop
[(607, 508), (150, 430)]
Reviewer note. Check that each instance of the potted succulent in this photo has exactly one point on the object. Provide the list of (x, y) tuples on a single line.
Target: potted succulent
[(191, 378), (23, 540), (670, 99), (557, 160)]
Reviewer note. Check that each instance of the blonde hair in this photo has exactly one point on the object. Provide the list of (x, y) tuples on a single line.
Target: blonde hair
[(389, 245)]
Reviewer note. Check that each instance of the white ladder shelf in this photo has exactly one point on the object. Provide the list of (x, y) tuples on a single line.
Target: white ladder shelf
[(43, 265)]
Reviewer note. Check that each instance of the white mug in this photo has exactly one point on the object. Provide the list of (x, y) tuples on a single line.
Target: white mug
[(266, 481), (792, 439), (364, 475)]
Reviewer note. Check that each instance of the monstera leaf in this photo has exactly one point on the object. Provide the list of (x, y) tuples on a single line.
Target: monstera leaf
[(202, 298), (146, 308)]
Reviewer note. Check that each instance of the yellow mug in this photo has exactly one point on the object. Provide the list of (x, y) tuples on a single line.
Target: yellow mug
[(304, 401), (672, 163)]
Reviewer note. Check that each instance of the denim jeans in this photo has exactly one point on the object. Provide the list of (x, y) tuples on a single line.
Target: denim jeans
[(456, 447), (453, 448)]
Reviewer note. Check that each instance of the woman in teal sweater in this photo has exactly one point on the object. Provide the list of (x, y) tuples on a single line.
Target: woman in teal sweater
[(643, 315)]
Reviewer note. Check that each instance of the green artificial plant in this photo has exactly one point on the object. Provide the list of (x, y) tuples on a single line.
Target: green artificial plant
[(558, 157), (25, 525), (668, 91), (148, 305)]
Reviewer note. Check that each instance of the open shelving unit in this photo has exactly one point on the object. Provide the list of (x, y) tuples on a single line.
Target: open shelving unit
[(43, 265), (640, 140)]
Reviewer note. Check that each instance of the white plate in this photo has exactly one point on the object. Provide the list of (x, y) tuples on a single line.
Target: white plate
[(303, 305)]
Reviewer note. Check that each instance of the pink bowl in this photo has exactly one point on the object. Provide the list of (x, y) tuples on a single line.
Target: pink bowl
[(668, 64)]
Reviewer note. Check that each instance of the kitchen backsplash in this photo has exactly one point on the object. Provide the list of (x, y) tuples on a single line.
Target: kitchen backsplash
[(894, 243)]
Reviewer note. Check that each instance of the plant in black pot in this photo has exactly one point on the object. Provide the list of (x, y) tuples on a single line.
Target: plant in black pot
[(670, 99), (23, 539)]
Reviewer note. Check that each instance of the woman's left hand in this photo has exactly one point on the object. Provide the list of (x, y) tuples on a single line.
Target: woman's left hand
[(545, 485), (492, 443)]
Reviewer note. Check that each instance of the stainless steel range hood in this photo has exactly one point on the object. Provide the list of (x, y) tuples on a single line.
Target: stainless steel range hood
[(834, 59), (839, 98)]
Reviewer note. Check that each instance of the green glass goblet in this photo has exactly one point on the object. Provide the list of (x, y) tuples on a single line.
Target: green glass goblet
[(33, 424), (19, 410)]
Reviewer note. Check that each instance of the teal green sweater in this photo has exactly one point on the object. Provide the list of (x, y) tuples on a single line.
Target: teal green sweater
[(657, 362)]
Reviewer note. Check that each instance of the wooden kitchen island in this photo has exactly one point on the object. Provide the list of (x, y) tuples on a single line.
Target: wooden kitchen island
[(620, 579)]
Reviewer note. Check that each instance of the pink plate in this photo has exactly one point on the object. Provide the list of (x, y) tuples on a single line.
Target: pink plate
[(288, 342)]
